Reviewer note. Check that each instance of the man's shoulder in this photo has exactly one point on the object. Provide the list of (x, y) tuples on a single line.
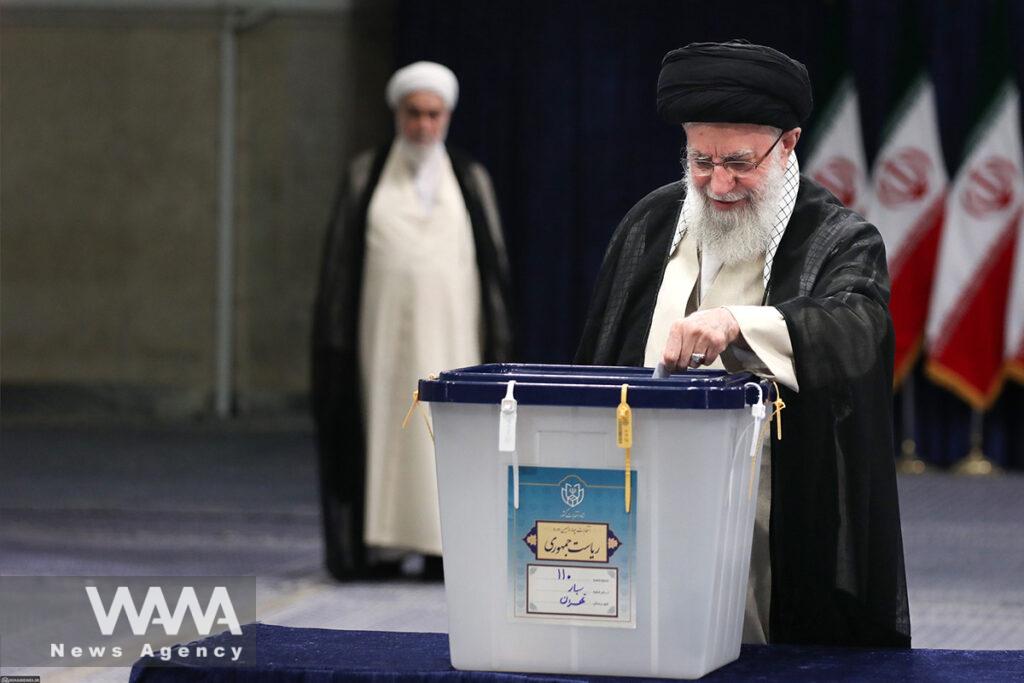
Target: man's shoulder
[(461, 157), (365, 158), (653, 217), (666, 197), (362, 165), (819, 212), (814, 198), (465, 163), (666, 194)]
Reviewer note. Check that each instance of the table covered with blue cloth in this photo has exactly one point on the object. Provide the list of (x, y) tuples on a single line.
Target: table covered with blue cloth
[(279, 654)]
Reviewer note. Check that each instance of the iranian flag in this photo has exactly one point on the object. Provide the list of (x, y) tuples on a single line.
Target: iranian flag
[(1015, 313), (837, 160), (906, 205), (966, 328)]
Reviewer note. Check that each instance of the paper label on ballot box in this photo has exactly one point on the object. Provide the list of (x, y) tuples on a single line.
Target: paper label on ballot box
[(572, 547), (572, 590)]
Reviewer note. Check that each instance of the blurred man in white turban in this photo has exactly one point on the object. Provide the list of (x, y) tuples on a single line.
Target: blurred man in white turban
[(414, 281)]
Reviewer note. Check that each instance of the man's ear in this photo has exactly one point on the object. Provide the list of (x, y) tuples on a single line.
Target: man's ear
[(790, 138)]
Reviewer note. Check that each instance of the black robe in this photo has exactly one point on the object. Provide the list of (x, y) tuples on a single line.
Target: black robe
[(336, 391), (836, 546)]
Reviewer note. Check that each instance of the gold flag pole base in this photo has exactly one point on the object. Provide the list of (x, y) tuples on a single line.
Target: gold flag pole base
[(975, 464), (908, 462)]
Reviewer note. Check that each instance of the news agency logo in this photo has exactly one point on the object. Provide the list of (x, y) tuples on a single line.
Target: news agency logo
[(156, 612)]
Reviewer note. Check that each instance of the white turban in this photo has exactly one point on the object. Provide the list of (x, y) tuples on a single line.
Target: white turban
[(423, 76)]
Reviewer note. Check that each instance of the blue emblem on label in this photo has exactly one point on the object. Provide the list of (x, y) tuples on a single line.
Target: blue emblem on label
[(573, 491)]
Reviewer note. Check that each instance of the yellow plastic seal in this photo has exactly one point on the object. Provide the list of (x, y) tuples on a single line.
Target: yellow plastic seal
[(624, 438), (416, 402), (779, 404), (624, 422)]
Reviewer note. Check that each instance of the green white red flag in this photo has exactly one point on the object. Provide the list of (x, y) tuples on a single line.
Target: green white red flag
[(909, 184), (837, 160), (967, 323), (1015, 313)]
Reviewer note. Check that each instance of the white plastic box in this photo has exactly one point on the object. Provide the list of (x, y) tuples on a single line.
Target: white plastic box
[(696, 488)]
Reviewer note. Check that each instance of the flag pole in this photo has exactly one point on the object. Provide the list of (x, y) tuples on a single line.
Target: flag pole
[(975, 464), (909, 462)]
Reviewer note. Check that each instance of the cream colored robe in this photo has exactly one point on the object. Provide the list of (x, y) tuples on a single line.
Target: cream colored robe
[(764, 348), (420, 314)]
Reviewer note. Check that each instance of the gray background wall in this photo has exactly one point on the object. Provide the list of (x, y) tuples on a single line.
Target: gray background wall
[(108, 199)]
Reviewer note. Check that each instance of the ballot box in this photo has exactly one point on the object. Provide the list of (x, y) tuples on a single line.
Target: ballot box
[(595, 520)]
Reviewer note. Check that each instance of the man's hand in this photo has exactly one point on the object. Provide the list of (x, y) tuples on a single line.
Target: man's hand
[(704, 332)]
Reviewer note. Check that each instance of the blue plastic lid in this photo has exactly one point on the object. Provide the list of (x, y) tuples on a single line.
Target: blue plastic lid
[(594, 386)]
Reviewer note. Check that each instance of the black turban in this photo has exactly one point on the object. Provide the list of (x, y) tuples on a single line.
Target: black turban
[(733, 82)]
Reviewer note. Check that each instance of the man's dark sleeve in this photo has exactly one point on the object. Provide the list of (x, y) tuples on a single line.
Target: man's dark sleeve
[(596, 312), (841, 328), (837, 555)]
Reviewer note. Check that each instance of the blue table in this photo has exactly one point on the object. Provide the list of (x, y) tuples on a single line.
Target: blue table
[(278, 654)]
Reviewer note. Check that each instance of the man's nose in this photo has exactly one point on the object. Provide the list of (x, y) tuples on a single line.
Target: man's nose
[(722, 181)]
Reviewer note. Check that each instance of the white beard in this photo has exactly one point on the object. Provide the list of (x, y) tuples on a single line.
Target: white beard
[(424, 161), (415, 154), (742, 233)]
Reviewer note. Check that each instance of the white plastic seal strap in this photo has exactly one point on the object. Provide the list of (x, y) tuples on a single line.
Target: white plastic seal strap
[(507, 435), (758, 411)]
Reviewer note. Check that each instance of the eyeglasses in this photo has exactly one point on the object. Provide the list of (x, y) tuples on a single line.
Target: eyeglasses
[(703, 166)]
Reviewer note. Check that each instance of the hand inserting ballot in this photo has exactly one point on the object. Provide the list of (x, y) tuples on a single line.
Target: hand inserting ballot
[(699, 338)]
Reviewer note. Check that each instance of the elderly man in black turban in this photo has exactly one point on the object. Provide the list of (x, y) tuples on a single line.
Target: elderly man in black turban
[(747, 265)]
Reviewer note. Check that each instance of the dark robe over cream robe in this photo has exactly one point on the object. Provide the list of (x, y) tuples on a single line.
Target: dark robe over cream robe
[(337, 373), (837, 571)]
